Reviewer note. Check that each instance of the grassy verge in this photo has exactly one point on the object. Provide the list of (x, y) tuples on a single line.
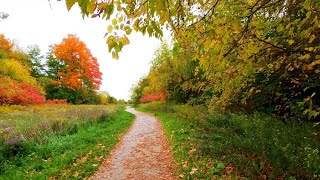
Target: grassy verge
[(67, 154), (210, 145)]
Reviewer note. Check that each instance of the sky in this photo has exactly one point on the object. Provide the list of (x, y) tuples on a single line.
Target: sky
[(33, 22)]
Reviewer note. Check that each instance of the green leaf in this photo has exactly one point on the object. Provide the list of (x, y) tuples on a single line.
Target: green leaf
[(117, 48), (70, 3), (115, 55), (128, 31), (220, 165)]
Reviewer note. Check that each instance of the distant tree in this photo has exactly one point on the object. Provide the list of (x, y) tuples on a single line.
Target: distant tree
[(121, 101), (102, 99), (137, 90), (112, 100), (35, 57), (3, 15)]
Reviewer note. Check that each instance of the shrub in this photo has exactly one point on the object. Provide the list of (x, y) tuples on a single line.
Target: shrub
[(13, 92), (156, 96)]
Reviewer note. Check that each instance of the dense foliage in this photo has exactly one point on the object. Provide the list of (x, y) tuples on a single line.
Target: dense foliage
[(17, 86)]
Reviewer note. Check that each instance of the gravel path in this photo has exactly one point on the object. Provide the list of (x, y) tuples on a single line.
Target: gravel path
[(143, 153)]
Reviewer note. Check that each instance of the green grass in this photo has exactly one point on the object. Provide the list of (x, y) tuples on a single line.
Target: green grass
[(73, 155), (212, 145)]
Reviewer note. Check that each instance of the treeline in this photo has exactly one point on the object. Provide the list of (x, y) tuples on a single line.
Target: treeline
[(68, 73), (242, 56)]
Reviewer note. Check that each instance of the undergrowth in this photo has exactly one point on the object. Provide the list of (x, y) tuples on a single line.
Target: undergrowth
[(73, 151), (210, 145)]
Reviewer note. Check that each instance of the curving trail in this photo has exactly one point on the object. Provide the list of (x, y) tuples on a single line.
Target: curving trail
[(143, 153)]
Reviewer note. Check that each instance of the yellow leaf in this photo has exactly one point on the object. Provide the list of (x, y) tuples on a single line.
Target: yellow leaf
[(290, 41), (306, 56), (237, 26), (115, 55), (312, 37), (70, 3), (114, 22), (124, 40), (91, 7), (110, 28), (102, 5), (201, 2), (280, 28)]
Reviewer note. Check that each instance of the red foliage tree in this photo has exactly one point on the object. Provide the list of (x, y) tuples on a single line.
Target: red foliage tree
[(81, 69)]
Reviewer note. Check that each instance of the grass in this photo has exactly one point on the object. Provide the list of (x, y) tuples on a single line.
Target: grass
[(73, 152), (28, 122), (210, 145)]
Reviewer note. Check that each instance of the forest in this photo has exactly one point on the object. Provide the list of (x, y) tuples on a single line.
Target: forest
[(237, 91)]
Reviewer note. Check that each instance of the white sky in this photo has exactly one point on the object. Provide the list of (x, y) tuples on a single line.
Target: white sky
[(33, 22)]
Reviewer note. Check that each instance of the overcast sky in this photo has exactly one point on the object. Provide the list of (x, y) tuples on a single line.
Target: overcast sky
[(33, 22)]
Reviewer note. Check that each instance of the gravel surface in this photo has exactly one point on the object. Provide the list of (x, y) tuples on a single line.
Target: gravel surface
[(143, 152)]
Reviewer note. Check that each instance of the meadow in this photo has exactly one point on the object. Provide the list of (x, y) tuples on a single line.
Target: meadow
[(58, 141), (209, 145)]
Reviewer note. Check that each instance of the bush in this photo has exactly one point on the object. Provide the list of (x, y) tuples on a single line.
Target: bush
[(13, 92)]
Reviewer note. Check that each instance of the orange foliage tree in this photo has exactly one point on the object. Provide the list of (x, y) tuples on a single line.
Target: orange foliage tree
[(81, 69)]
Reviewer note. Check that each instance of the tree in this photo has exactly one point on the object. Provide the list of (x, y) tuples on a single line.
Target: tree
[(36, 59), (81, 69), (73, 71), (3, 15), (53, 65)]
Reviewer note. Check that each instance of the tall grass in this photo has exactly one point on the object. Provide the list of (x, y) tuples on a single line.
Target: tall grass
[(39, 122), (256, 146), (61, 141)]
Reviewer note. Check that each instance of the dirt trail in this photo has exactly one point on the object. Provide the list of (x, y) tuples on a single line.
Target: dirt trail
[(143, 153)]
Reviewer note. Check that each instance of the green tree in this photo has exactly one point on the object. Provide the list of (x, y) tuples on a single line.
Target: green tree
[(53, 65), (37, 67)]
